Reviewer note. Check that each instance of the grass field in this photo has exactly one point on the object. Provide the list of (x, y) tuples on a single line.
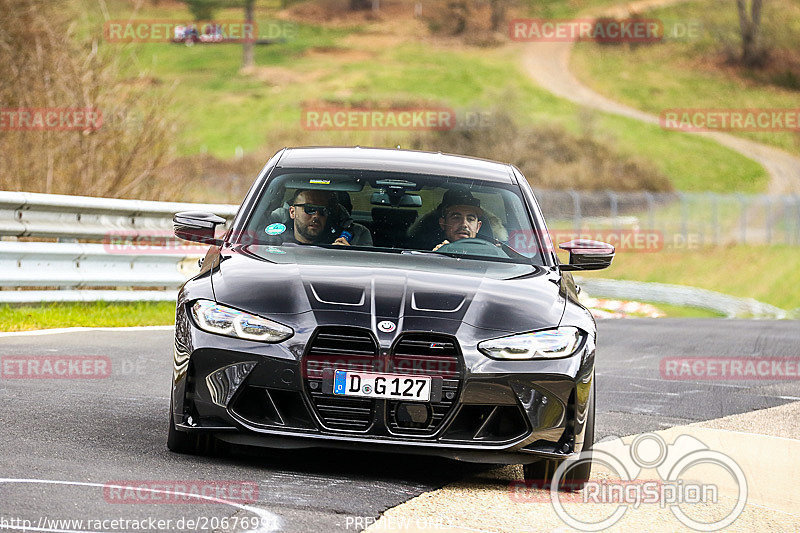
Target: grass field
[(99, 314), (691, 72), (565, 8), (674, 311), (381, 65), (766, 273), (104, 314)]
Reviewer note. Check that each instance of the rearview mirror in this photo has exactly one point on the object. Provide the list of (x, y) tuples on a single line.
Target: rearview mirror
[(197, 226), (587, 255), (395, 199)]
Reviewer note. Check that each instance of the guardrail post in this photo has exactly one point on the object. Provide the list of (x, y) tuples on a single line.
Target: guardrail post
[(684, 218), (768, 214), (651, 214), (797, 220), (612, 196), (577, 218), (743, 217), (786, 220), (715, 217)]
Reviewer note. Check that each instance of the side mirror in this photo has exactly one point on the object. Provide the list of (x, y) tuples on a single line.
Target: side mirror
[(587, 255), (197, 226)]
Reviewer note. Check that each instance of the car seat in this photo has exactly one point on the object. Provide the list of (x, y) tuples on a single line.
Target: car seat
[(389, 226)]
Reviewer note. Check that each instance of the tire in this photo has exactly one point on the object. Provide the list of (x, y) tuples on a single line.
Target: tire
[(185, 442), (540, 474)]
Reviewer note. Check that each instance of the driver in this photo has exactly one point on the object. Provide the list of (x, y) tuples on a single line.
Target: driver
[(309, 211), (459, 218)]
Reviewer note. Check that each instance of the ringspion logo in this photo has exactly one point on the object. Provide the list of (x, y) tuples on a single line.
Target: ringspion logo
[(646, 471)]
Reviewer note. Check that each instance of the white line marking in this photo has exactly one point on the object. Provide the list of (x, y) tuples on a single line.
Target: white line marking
[(772, 509), (661, 380), (269, 521), (698, 425), (657, 393), (55, 331)]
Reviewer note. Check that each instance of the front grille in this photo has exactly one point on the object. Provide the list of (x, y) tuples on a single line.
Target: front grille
[(341, 349), (430, 355)]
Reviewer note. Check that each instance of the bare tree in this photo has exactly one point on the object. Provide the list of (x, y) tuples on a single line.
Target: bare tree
[(47, 65), (203, 9), (498, 13), (749, 25), (248, 46), (358, 5)]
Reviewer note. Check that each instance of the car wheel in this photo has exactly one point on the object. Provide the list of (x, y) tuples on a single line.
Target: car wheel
[(188, 442), (541, 473)]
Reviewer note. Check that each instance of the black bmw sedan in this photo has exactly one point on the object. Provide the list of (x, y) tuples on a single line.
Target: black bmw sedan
[(387, 300)]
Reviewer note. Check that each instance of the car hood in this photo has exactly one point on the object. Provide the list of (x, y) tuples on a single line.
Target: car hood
[(290, 280)]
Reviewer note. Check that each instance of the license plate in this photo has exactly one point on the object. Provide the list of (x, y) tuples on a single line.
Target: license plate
[(390, 386)]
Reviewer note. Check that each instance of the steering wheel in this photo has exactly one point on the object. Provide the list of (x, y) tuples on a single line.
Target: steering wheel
[(472, 246), (484, 241)]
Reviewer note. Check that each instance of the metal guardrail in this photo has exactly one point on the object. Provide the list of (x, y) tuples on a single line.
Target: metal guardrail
[(730, 306), (73, 271), (681, 218), (37, 264), (86, 271), (24, 214)]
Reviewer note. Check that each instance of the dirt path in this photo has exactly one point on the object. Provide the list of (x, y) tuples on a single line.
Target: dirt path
[(548, 64)]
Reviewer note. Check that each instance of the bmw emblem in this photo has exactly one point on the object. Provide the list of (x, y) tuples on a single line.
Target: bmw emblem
[(387, 326)]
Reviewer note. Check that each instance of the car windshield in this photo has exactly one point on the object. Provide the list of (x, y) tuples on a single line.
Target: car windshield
[(387, 212)]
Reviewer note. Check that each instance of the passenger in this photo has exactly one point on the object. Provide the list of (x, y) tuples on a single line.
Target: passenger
[(459, 216)]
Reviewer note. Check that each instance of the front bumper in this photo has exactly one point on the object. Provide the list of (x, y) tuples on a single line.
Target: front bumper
[(483, 410)]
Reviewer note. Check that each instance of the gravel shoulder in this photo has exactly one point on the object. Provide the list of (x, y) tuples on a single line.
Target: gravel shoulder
[(494, 501)]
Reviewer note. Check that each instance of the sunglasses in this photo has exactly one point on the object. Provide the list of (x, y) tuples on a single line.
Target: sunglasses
[(310, 209)]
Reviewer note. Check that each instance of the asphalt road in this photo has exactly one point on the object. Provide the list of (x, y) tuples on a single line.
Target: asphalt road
[(92, 432)]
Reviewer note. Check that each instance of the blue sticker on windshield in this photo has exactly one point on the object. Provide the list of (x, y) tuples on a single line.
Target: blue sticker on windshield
[(275, 229)]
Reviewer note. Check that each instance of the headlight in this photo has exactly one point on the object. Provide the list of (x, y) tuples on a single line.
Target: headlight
[(215, 318), (547, 344)]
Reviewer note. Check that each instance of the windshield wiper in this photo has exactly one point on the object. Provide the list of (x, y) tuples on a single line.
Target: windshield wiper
[(423, 252)]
